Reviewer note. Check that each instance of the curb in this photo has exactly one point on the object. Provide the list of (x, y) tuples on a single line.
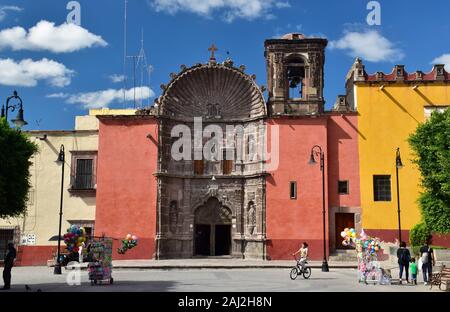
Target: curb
[(215, 267)]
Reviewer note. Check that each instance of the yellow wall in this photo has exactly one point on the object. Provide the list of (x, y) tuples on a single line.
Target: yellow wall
[(386, 119), (109, 111), (42, 216)]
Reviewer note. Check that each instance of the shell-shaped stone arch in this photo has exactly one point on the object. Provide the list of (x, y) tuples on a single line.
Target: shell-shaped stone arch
[(214, 91)]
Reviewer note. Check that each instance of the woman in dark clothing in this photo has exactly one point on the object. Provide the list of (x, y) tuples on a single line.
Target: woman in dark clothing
[(404, 257), (9, 263)]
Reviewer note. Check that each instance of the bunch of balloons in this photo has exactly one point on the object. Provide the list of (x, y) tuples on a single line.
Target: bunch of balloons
[(74, 238), (371, 245), (349, 236), (363, 242), (128, 243)]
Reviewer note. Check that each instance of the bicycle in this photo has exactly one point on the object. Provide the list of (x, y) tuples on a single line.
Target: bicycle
[(304, 270)]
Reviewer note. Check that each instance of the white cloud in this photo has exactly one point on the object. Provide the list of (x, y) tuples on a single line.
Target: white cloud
[(57, 95), (27, 73), (117, 78), (369, 45), (45, 36), (443, 59), (5, 8), (232, 9), (104, 98)]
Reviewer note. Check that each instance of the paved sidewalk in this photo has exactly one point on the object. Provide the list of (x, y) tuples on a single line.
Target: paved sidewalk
[(219, 264)]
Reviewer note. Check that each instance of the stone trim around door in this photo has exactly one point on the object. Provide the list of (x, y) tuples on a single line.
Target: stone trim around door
[(332, 222)]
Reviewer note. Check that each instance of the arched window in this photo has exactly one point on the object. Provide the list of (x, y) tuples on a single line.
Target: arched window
[(296, 77)]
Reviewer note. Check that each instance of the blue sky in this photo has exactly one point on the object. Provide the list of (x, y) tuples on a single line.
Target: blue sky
[(61, 70)]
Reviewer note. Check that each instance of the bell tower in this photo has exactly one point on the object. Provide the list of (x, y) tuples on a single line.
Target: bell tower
[(295, 75)]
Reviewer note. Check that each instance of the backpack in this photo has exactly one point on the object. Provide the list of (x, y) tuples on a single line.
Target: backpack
[(425, 256), (405, 257)]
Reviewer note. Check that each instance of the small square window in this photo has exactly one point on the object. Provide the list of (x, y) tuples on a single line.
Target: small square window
[(343, 188), (293, 190), (382, 188), (199, 167)]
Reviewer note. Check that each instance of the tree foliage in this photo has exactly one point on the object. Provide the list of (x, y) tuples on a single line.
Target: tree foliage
[(15, 153), (431, 144), (419, 235)]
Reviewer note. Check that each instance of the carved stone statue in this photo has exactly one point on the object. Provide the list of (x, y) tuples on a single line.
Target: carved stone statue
[(251, 218)]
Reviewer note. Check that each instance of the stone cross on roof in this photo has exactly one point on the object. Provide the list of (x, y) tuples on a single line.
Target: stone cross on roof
[(213, 49)]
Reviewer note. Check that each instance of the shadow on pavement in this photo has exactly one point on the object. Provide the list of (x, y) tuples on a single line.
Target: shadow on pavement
[(118, 286)]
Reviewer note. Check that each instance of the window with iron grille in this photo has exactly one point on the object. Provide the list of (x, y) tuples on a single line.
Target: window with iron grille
[(382, 188), (83, 176)]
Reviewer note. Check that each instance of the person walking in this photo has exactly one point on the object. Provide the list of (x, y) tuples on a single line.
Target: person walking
[(428, 261), (413, 268), (404, 257), (9, 263)]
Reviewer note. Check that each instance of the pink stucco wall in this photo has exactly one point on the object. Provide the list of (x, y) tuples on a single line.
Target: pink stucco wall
[(127, 189), (343, 160), (290, 222)]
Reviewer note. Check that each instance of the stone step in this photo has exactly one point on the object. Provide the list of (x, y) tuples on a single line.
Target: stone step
[(343, 256)]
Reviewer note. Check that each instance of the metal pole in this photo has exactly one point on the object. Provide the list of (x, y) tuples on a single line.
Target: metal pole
[(58, 260), (398, 208), (325, 267), (7, 108)]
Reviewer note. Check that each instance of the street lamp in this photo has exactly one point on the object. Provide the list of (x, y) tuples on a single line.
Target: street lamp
[(317, 151), (61, 159), (19, 121), (398, 165)]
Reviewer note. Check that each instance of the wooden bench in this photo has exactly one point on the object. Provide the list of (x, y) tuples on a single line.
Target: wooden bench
[(441, 279)]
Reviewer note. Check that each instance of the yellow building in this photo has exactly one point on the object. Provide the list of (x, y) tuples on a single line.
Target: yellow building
[(35, 234), (390, 107)]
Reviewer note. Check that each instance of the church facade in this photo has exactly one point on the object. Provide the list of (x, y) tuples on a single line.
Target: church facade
[(223, 167), (217, 169)]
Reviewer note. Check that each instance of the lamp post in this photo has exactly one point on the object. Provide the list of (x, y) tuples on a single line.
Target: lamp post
[(317, 151), (398, 165), (19, 121), (61, 159)]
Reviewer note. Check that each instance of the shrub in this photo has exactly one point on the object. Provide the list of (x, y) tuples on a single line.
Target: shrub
[(419, 235)]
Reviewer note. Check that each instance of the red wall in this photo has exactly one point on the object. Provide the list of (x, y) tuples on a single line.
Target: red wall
[(34, 255), (127, 189), (290, 222), (343, 160)]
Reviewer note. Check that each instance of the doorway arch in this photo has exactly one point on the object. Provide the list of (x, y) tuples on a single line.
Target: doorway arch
[(212, 234)]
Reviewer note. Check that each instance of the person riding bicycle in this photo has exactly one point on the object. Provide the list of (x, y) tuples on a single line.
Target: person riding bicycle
[(303, 251)]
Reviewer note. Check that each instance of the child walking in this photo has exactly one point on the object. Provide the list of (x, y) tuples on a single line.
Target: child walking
[(413, 269)]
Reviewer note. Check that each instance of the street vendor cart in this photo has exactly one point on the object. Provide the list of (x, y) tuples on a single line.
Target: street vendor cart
[(100, 260)]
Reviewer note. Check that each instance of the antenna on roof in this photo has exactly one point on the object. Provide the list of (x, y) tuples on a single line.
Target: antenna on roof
[(140, 63), (125, 53)]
